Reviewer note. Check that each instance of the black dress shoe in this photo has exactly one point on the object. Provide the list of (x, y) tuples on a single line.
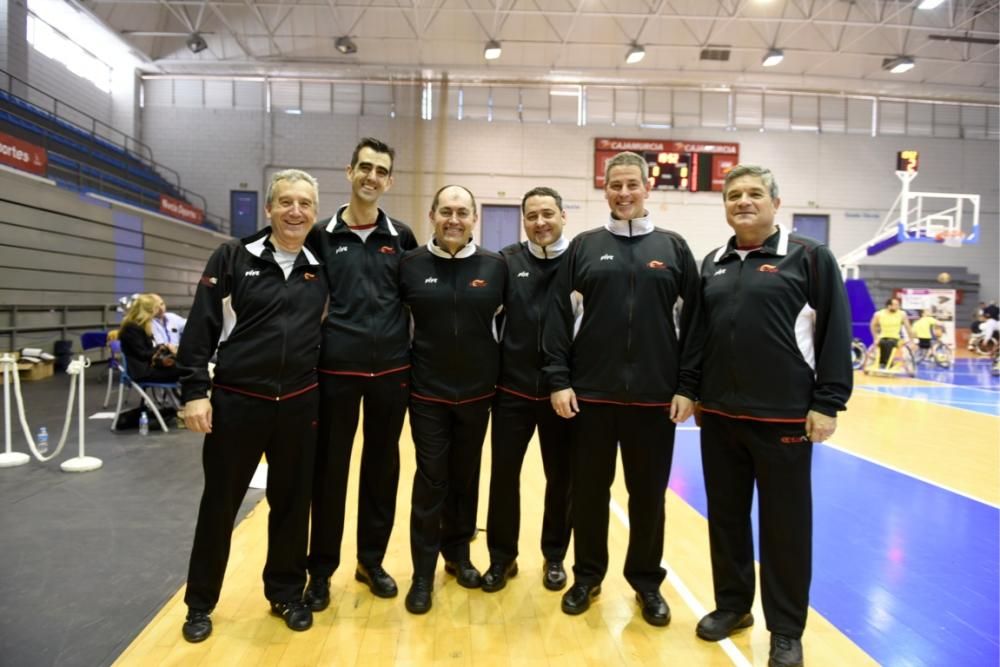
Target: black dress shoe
[(785, 652), (317, 594), (298, 616), (464, 572), (655, 609), (379, 582), (577, 598), (719, 624), (554, 577), (496, 577), (418, 600), (197, 626)]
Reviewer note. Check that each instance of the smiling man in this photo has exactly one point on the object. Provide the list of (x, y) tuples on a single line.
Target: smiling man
[(454, 291), (522, 402), (621, 370), (771, 386), (364, 355), (254, 291)]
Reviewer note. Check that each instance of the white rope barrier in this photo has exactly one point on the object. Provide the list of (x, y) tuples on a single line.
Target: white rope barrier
[(81, 463)]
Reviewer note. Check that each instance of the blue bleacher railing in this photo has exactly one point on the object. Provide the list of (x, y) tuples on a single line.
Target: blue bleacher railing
[(127, 169)]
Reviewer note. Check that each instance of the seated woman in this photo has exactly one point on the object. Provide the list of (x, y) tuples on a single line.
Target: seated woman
[(136, 338)]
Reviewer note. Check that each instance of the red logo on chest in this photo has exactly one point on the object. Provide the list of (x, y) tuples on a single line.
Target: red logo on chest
[(478, 282), (387, 250), (656, 264), (768, 268), (309, 276)]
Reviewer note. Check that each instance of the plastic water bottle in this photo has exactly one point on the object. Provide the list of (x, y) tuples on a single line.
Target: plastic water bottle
[(42, 441), (143, 423)]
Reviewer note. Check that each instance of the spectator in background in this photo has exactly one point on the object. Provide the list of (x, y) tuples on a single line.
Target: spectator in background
[(146, 360), (167, 327)]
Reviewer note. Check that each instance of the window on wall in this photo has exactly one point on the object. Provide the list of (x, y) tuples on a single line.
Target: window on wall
[(84, 47)]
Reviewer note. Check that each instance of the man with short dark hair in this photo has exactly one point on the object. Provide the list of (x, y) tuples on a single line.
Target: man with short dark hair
[(454, 291), (770, 387), (522, 402), (621, 370), (364, 359)]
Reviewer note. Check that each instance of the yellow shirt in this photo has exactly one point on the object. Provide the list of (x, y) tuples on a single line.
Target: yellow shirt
[(890, 325), (924, 327)]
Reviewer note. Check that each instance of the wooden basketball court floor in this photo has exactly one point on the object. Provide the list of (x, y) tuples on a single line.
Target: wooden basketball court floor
[(905, 562)]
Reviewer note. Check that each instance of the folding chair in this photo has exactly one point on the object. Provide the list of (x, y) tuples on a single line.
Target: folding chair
[(125, 383)]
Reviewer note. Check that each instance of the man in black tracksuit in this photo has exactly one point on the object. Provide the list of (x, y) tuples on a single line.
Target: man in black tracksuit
[(365, 354), (776, 333), (623, 373), (454, 291), (522, 402), (258, 306)]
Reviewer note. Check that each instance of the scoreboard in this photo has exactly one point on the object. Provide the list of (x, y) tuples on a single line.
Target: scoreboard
[(673, 165)]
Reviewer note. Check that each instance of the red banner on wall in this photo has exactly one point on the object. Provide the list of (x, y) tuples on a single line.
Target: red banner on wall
[(23, 155), (181, 210)]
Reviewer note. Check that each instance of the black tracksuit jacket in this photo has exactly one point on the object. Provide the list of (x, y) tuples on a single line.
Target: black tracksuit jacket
[(630, 276), (529, 279), (454, 302), (367, 329), (775, 331), (266, 328)]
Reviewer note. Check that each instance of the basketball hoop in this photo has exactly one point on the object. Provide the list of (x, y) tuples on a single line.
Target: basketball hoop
[(951, 238)]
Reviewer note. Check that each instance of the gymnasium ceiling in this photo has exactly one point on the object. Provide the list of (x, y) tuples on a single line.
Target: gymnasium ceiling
[(828, 45)]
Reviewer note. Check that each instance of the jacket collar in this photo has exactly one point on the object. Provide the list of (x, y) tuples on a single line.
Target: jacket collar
[(383, 223), (259, 245), (776, 244), (467, 251), (630, 228), (550, 251)]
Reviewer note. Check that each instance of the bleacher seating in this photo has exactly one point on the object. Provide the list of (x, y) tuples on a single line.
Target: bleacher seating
[(84, 148)]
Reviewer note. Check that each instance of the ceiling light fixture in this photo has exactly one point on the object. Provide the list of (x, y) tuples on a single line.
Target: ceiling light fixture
[(898, 65), (492, 50), (345, 45), (635, 54), (930, 4), (196, 43), (773, 57)]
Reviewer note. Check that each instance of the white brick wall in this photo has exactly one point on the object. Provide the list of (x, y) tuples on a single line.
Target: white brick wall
[(836, 174)]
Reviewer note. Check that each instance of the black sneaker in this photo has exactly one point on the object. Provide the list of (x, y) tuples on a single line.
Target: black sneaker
[(554, 575), (317, 594), (721, 623), (298, 616), (418, 600), (785, 652), (197, 626), (464, 572), (496, 577), (379, 582)]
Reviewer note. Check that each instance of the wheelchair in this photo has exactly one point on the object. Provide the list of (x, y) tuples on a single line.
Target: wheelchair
[(858, 354), (901, 363), (939, 353)]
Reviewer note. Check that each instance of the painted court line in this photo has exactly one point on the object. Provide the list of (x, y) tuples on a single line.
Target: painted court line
[(909, 474), (690, 600)]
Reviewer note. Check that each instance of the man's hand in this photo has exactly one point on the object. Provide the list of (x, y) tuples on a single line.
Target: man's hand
[(681, 408), (819, 427), (564, 403), (198, 415)]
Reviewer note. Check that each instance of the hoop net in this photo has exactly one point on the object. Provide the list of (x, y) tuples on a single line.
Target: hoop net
[(950, 237)]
